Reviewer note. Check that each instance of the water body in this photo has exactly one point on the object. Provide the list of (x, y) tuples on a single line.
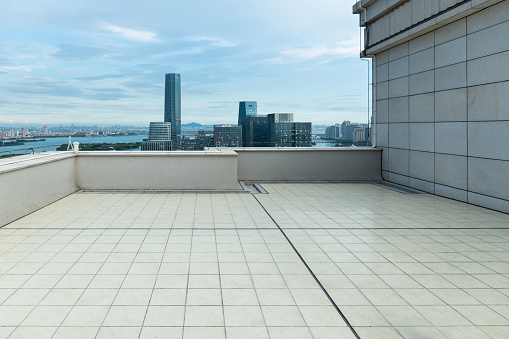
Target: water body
[(324, 144), (51, 144)]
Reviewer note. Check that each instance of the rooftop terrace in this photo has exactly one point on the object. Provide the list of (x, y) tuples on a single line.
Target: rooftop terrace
[(303, 261)]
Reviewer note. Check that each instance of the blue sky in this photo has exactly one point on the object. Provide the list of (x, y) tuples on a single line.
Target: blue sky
[(103, 61)]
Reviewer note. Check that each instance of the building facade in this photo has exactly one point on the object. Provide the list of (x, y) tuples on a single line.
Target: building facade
[(172, 105), (333, 132), (246, 108), (227, 135), (441, 95), (257, 131), (159, 137)]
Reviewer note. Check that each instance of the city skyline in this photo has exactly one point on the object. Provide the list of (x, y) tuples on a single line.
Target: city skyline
[(102, 63)]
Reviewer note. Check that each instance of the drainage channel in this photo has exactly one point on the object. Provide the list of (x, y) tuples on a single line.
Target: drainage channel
[(310, 271)]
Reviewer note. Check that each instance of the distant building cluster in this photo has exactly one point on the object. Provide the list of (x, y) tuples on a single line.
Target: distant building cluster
[(348, 131), (252, 130), (64, 131)]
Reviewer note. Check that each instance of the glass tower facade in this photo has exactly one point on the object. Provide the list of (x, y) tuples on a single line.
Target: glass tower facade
[(246, 108), (257, 131), (172, 106)]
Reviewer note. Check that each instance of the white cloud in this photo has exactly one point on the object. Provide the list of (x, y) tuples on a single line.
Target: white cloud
[(323, 53), (132, 34), (212, 41), (20, 68)]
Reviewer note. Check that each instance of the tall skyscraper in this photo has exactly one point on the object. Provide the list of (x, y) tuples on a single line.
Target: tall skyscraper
[(172, 106), (246, 108)]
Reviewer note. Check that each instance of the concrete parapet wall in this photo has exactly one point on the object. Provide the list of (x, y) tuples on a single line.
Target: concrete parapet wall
[(28, 183), (157, 170), (309, 164)]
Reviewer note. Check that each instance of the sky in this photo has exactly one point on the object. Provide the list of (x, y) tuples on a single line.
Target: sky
[(103, 61)]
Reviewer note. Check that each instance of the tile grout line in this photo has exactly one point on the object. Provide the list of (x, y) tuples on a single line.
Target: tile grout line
[(310, 271)]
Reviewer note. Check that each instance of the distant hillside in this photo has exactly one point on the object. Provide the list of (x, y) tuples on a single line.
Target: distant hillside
[(192, 125)]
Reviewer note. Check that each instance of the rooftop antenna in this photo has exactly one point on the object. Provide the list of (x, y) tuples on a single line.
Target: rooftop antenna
[(69, 145)]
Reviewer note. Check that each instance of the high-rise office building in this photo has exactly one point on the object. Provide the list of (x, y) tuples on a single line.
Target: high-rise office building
[(280, 117), (257, 131), (246, 108), (159, 137), (159, 131), (45, 130), (227, 135), (172, 106), (284, 132)]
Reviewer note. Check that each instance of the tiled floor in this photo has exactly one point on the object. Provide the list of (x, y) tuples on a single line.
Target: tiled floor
[(217, 265)]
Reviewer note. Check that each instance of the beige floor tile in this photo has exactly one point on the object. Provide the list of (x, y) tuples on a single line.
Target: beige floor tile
[(139, 281), (367, 281), (482, 315), (467, 332), (489, 296), (46, 316), (454, 296), (112, 281), (364, 316), (14, 315), (332, 332), (310, 297), (348, 296), (420, 332), (403, 316), (204, 332), (419, 296), (171, 281), (118, 332), (268, 281), (282, 316), (305, 281), (247, 332), (204, 281), (97, 297), (75, 281), (383, 296), (275, 296), (377, 332), (23, 297), (169, 297), (133, 297), (86, 316), (290, 332), (75, 332), (62, 296), (399, 281), (43, 281), (243, 316), (204, 316), (239, 296), (442, 316), (204, 297), (161, 332), (165, 316), (33, 332), (321, 316), (125, 316)]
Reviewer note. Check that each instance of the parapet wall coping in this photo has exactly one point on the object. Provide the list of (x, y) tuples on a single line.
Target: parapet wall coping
[(13, 164)]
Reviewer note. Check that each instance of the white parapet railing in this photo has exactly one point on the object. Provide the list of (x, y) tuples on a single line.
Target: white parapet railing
[(30, 182)]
